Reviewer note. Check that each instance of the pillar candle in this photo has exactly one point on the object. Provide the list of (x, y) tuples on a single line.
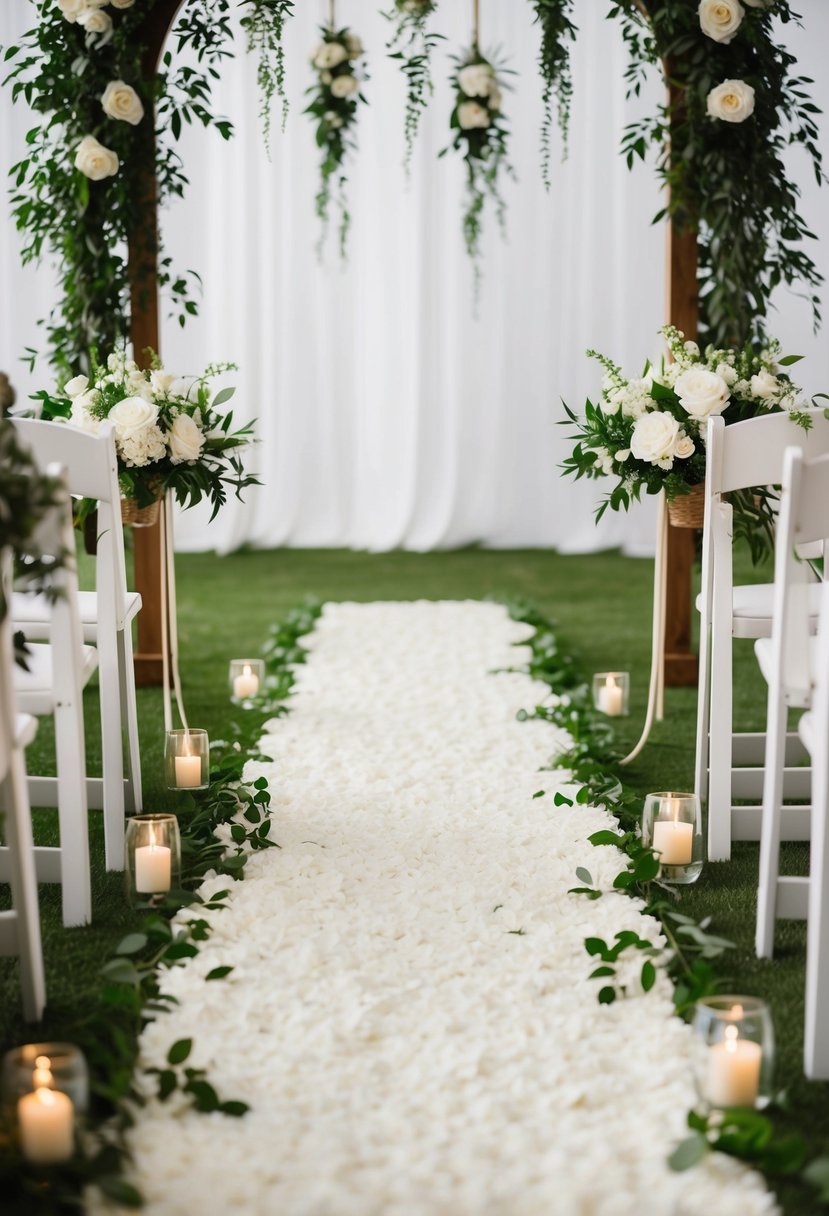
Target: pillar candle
[(188, 771), (152, 869), (47, 1120), (611, 698), (247, 684), (674, 841), (733, 1077)]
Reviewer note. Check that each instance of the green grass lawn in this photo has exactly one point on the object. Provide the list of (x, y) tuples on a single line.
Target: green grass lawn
[(601, 604)]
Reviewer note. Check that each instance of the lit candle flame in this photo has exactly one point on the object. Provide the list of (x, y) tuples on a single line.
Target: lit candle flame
[(731, 1033), (246, 669)]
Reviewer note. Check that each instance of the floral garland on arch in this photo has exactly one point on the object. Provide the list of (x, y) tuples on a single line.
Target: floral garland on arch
[(736, 107), (649, 431), (481, 138), (412, 44), (335, 99)]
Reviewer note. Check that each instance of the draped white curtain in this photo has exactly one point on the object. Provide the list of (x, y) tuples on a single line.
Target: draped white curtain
[(389, 413)]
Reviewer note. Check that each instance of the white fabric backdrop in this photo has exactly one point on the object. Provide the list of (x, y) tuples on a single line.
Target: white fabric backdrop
[(389, 414)]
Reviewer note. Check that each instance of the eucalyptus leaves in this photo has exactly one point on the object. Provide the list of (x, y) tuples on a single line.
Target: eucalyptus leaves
[(335, 99), (480, 135), (412, 44)]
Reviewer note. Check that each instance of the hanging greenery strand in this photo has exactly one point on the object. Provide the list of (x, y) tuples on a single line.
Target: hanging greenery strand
[(412, 44), (557, 32), (264, 25)]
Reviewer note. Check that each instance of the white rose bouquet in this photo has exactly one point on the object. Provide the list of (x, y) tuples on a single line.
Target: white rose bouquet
[(335, 98), (481, 137), (169, 433), (649, 432)]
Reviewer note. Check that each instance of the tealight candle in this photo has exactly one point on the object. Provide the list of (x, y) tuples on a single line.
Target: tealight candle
[(47, 1126), (611, 698), (153, 868), (673, 841), (188, 771), (733, 1074), (246, 684)]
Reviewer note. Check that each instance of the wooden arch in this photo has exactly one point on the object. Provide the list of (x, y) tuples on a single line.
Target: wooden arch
[(682, 310)]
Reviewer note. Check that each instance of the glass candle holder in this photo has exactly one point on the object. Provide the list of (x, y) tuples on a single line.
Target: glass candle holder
[(187, 759), (611, 692), (246, 678), (672, 827), (733, 1051), (153, 857), (45, 1091)]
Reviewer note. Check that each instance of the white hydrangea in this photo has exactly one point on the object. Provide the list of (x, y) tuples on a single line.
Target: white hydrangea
[(142, 447)]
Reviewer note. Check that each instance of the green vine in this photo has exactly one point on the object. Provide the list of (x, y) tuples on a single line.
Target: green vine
[(557, 31), (412, 44), (335, 98), (263, 26), (168, 933)]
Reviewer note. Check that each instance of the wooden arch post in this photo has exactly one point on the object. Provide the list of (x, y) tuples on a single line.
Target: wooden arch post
[(145, 335)]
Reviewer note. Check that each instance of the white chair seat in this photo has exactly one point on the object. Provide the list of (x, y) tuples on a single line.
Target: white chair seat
[(763, 650), (25, 729), (32, 613), (752, 609), (35, 688), (807, 730)]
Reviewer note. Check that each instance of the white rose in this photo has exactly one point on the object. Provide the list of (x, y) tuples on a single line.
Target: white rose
[(71, 8), (132, 415), (720, 19), (759, 3), (162, 381), (94, 160), (731, 101), (186, 440), (684, 446), (654, 438), (344, 86), (121, 101), (764, 385), (701, 393), (727, 372), (354, 46), (78, 384), (80, 415), (472, 116), (95, 21), (122, 3), (329, 55), (477, 80)]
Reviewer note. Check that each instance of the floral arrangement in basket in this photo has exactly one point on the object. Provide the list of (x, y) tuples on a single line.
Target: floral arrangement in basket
[(481, 137), (649, 432), (169, 433), (335, 98)]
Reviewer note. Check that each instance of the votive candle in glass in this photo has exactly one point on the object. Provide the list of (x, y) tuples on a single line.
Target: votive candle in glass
[(611, 692), (733, 1051), (153, 856), (672, 827), (246, 678), (45, 1088), (187, 759)]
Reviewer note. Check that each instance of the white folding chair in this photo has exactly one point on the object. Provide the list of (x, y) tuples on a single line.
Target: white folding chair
[(106, 616), (19, 926), (787, 660), (58, 671), (728, 765)]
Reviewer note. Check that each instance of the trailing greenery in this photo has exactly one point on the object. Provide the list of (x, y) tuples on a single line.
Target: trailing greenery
[(80, 192), (220, 828), (690, 949), (557, 32), (412, 44), (264, 24), (335, 98), (481, 138)]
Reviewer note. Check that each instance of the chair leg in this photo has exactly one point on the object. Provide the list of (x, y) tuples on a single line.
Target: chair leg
[(721, 747), (771, 822), (23, 882), (112, 749), (76, 889), (129, 717), (816, 1042), (701, 759)]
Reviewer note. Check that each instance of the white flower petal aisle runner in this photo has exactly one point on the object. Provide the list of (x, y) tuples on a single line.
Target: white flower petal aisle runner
[(409, 1014)]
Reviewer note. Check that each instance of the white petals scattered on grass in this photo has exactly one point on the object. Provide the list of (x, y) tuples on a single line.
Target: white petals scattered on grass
[(409, 1016)]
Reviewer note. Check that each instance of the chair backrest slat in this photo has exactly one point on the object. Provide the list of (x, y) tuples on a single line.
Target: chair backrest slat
[(751, 452)]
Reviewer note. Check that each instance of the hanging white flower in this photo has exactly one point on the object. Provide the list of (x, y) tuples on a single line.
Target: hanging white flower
[(122, 3), (94, 160), (720, 19), (329, 55), (477, 80), (731, 101), (71, 9), (344, 86), (473, 116), (121, 101), (95, 20), (354, 46)]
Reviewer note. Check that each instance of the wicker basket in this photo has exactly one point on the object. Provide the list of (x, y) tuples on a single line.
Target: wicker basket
[(688, 510), (133, 516)]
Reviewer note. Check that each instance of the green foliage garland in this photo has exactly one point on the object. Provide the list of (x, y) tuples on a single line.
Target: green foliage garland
[(412, 44), (557, 31), (264, 26), (335, 98)]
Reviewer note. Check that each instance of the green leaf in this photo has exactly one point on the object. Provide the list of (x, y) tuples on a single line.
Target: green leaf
[(180, 1051), (133, 943), (648, 975), (584, 876), (233, 1109), (539, 793), (688, 1153), (595, 945), (119, 1191), (560, 799), (817, 1172), (218, 973), (605, 837), (607, 996)]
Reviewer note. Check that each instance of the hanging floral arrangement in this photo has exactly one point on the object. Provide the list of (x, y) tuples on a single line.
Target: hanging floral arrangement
[(264, 24), (335, 99), (557, 32), (481, 138), (412, 43)]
